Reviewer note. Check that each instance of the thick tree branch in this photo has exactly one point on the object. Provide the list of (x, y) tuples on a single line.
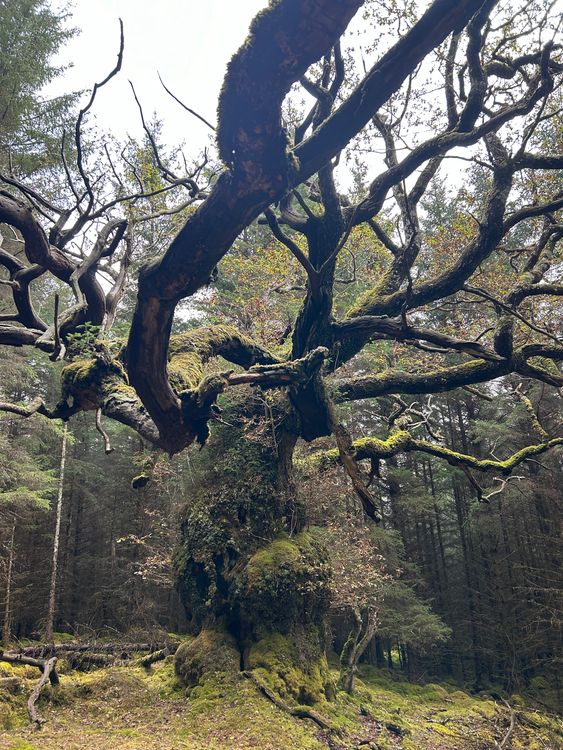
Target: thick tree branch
[(448, 378), (383, 79)]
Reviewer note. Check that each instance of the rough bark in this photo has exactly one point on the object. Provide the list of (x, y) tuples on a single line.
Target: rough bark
[(249, 574)]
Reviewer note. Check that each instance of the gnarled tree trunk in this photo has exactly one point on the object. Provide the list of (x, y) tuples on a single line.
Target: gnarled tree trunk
[(253, 581)]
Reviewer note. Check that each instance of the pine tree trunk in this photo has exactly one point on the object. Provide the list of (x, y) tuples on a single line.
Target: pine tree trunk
[(56, 539), (6, 627)]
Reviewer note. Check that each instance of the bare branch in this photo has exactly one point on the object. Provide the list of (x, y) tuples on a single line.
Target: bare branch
[(83, 112), (181, 103)]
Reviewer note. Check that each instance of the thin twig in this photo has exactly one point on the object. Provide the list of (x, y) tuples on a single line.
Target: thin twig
[(181, 103)]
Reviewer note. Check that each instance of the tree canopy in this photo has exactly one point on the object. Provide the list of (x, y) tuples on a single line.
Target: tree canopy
[(497, 95)]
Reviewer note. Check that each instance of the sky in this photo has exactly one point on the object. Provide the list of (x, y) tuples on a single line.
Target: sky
[(188, 42)]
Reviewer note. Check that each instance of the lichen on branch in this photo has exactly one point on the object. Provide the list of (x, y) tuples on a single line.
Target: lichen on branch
[(401, 441)]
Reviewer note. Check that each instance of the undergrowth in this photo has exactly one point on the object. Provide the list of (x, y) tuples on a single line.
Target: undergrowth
[(129, 708)]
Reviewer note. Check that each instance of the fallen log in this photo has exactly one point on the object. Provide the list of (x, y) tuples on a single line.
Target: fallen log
[(159, 655), (124, 649), (29, 661)]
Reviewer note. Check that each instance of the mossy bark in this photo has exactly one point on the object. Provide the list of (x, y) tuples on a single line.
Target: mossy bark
[(246, 566)]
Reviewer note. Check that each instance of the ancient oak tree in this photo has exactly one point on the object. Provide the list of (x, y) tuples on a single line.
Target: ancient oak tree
[(472, 84)]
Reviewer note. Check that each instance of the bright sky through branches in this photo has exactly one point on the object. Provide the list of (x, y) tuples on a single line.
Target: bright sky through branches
[(189, 43)]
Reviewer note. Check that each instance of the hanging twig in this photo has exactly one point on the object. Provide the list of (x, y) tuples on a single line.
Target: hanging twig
[(107, 444)]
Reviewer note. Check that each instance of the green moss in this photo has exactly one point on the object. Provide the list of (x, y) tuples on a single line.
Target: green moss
[(376, 295), (368, 447), (185, 370), (128, 708), (211, 652), (234, 507), (402, 440), (78, 371), (292, 666), (286, 582), (207, 341), (281, 553), (233, 713), (91, 381), (190, 351), (382, 448), (460, 459)]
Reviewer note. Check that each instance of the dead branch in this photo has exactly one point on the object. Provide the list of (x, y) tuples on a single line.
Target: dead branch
[(512, 723), (103, 433), (29, 661), (31, 710), (181, 103)]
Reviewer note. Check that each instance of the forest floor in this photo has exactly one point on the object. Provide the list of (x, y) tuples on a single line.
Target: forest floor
[(129, 708)]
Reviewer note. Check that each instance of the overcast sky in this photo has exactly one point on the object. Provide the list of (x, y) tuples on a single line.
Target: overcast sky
[(188, 42)]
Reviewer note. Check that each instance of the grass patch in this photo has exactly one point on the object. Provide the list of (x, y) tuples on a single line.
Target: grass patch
[(129, 708)]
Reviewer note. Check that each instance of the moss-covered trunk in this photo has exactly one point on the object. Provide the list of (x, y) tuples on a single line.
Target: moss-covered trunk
[(255, 583)]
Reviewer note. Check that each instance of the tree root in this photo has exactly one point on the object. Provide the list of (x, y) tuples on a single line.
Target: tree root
[(301, 712)]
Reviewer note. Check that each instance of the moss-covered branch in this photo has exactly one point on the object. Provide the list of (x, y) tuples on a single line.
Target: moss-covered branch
[(485, 464), (437, 381), (197, 392), (190, 352), (401, 441), (100, 382), (457, 376)]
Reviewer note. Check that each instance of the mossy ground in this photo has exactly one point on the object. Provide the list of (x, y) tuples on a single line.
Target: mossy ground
[(126, 708)]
